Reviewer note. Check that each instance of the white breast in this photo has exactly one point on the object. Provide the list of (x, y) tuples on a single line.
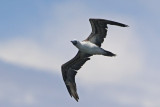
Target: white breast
[(90, 48)]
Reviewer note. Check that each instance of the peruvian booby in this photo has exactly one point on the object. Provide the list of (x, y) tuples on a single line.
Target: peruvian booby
[(88, 47)]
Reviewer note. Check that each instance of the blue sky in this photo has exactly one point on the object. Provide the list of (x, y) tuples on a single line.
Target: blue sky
[(35, 41)]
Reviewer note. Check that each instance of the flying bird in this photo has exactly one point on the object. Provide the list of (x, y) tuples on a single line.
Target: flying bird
[(86, 48)]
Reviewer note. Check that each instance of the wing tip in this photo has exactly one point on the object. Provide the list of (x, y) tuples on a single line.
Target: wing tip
[(74, 93), (125, 25), (72, 90), (109, 22), (76, 97)]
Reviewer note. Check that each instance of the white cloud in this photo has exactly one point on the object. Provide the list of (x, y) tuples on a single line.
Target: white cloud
[(26, 99), (28, 53)]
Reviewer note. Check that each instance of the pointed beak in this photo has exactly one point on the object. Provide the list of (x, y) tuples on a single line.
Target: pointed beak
[(74, 42), (71, 41)]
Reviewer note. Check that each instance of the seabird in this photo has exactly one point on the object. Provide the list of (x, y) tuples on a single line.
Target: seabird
[(86, 48)]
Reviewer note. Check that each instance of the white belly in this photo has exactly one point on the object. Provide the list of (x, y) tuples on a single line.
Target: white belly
[(90, 48)]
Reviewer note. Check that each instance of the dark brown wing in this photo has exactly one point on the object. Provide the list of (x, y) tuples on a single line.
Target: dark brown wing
[(99, 30), (69, 70)]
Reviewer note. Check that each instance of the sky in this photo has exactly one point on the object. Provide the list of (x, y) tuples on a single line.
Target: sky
[(35, 40)]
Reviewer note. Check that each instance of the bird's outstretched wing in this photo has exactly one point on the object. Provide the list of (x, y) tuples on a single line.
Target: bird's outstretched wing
[(99, 30), (69, 70)]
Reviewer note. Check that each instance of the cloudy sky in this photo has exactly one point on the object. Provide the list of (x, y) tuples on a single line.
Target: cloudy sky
[(35, 41)]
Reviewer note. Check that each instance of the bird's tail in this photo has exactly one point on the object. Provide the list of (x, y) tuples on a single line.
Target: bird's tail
[(107, 53)]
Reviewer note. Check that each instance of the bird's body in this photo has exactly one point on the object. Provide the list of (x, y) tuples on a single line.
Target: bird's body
[(86, 48), (89, 48)]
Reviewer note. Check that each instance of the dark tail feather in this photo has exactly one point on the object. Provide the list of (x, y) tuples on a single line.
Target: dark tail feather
[(107, 53)]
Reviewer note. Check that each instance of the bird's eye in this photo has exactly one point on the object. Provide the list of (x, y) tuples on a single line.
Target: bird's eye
[(75, 42)]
